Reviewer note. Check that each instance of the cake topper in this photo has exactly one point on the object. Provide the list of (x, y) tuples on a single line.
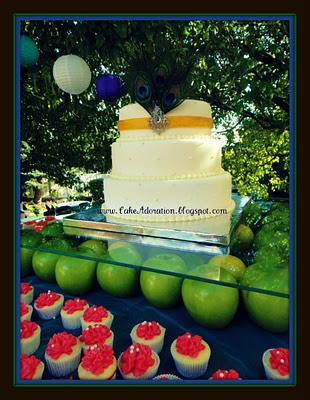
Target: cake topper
[(157, 77)]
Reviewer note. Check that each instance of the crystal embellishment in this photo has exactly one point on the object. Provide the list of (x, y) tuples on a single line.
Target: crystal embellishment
[(158, 122)]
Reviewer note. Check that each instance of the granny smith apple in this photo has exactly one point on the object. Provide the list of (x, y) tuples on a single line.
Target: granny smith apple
[(74, 275), (118, 280), (53, 230), (242, 238), (268, 311), (272, 239), (209, 304), (119, 244), (44, 263), (98, 246), (270, 256), (159, 289), (231, 263), (28, 237), (252, 214)]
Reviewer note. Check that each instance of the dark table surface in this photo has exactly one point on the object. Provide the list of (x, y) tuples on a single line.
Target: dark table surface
[(239, 346)]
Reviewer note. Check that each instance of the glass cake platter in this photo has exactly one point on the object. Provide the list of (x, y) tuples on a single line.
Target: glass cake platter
[(210, 235)]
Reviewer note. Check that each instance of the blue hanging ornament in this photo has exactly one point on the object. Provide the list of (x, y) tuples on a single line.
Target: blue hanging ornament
[(109, 87), (29, 53)]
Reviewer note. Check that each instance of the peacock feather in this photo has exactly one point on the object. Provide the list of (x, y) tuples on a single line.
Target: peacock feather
[(157, 75)]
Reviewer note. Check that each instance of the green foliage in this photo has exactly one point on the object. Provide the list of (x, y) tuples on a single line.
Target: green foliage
[(54, 194), (95, 187), (241, 69)]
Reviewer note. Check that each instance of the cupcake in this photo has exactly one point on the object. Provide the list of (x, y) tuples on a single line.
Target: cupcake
[(26, 292), (96, 335), (30, 367), (95, 315), (25, 311), (277, 363), (48, 305), (224, 375), (149, 333), (139, 361), (166, 377), (71, 313), (63, 354), (191, 355), (98, 363), (30, 336)]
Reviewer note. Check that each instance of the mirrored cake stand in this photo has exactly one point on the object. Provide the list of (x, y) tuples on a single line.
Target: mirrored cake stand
[(210, 235)]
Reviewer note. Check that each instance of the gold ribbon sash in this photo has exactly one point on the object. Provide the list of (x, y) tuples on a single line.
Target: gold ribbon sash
[(182, 121)]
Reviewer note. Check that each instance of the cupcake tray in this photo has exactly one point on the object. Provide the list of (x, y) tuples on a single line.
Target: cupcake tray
[(211, 236)]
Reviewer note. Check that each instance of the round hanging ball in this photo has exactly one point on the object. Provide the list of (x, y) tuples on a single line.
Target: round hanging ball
[(109, 87), (29, 53), (72, 74)]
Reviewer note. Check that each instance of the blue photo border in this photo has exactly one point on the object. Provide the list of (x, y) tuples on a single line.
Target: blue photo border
[(291, 18)]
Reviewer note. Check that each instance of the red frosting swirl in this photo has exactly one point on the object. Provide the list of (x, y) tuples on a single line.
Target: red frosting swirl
[(223, 374), (28, 366), (95, 334), (189, 345), (23, 308), (25, 288), (163, 379), (137, 359), (280, 360), (148, 330), (98, 359), (27, 328), (71, 306), (95, 314), (60, 343), (46, 299)]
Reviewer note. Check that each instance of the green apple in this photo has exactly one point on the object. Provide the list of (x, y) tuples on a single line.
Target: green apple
[(44, 263), (231, 263), (28, 237), (74, 275), (159, 289), (98, 246), (53, 230), (209, 304), (242, 238), (117, 280), (270, 256), (252, 214), (268, 311), (271, 238)]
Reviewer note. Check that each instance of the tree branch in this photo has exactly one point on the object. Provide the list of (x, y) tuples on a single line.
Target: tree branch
[(265, 124)]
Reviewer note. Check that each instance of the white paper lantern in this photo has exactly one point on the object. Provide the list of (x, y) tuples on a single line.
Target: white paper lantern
[(72, 74)]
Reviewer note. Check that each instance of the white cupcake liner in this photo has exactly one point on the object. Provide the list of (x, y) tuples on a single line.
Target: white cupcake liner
[(39, 372), (28, 315), (107, 323), (72, 321), (156, 346), (169, 376), (271, 373), (190, 370), (27, 297), (30, 345), (52, 311), (147, 375), (109, 341), (65, 367)]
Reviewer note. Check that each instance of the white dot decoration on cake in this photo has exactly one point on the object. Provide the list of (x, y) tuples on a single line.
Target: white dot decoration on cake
[(72, 74)]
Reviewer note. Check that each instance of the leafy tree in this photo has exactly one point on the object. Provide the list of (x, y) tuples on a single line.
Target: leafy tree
[(241, 70)]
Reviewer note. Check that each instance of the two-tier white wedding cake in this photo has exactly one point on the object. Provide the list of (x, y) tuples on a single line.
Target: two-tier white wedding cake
[(172, 175)]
